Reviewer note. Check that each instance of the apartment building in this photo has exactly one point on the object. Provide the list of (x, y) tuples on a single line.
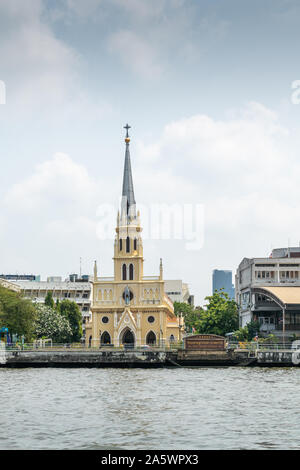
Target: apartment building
[(178, 291), (268, 291)]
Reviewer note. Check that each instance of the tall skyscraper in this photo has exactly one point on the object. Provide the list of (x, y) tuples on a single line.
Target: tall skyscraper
[(222, 279)]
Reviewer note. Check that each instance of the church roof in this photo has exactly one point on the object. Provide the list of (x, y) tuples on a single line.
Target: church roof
[(128, 199)]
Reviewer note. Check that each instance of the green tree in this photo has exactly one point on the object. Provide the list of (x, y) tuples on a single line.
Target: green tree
[(192, 316), (248, 332), (253, 329), (70, 310), (220, 316), (51, 324), (49, 302), (17, 314)]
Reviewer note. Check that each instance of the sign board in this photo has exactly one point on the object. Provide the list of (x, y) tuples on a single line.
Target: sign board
[(204, 343)]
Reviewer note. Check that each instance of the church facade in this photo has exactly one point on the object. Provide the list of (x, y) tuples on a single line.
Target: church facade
[(130, 308)]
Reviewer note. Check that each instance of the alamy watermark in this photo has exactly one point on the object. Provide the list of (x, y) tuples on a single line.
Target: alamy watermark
[(159, 222), (2, 92)]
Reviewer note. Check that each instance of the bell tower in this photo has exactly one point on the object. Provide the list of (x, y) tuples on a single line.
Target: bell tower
[(128, 249)]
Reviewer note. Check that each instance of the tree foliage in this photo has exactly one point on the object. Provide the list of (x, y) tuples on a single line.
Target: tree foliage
[(51, 324), (219, 317), (221, 314), (192, 316), (70, 310), (17, 314), (49, 302), (248, 332)]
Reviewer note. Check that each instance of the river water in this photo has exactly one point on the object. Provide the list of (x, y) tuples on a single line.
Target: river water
[(187, 408)]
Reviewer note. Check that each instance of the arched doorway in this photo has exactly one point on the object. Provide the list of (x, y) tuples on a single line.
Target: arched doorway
[(127, 338), (151, 338), (105, 338)]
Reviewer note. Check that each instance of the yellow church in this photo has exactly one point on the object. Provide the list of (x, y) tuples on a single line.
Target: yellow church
[(131, 309)]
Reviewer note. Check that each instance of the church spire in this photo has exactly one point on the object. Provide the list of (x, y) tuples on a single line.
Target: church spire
[(128, 206)]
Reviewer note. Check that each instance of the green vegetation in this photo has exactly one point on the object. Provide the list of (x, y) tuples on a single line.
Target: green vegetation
[(248, 332), (62, 322), (192, 316), (17, 314), (70, 311), (49, 302), (221, 314), (51, 324), (219, 317)]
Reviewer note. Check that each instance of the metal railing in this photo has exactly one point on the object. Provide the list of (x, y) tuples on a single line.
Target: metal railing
[(257, 346), (77, 347)]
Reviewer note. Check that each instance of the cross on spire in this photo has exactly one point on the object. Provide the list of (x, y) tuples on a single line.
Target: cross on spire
[(128, 200), (127, 127)]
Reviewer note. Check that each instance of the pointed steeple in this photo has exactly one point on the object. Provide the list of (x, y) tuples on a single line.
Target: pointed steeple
[(128, 205), (95, 271)]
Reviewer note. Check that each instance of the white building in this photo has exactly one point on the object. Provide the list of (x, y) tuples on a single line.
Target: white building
[(178, 291), (79, 292)]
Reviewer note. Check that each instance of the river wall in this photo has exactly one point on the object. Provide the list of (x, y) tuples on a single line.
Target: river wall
[(181, 358)]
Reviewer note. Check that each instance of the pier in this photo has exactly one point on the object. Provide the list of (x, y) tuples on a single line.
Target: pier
[(54, 357)]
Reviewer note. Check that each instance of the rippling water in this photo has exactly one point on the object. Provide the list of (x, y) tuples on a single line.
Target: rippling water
[(188, 408)]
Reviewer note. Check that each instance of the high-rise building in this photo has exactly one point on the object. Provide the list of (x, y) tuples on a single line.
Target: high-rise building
[(222, 279)]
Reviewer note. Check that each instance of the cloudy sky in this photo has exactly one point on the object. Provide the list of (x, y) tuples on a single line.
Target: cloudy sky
[(207, 88)]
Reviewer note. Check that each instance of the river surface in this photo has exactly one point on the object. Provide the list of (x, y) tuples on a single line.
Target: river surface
[(188, 408)]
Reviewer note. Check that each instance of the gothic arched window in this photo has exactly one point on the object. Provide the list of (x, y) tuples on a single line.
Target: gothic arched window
[(131, 272), (124, 272), (120, 244), (127, 245), (135, 244)]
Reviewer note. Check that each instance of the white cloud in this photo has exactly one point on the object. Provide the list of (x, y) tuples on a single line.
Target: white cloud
[(54, 183), (39, 68), (42, 72), (137, 53)]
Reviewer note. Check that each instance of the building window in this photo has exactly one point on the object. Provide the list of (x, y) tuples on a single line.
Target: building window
[(121, 244), (131, 272), (127, 293), (135, 244), (151, 319), (127, 245), (124, 272), (105, 319)]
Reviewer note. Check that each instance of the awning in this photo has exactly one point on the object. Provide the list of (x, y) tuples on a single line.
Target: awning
[(284, 296)]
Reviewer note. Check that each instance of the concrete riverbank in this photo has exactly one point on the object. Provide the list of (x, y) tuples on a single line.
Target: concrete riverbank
[(154, 359)]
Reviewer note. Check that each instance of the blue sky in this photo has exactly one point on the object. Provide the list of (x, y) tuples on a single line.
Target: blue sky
[(206, 86)]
